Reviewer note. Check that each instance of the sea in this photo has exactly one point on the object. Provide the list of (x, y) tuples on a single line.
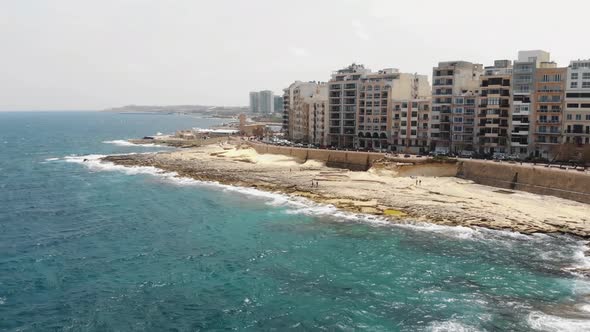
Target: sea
[(90, 246)]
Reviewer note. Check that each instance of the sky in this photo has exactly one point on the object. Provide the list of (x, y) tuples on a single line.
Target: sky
[(91, 55)]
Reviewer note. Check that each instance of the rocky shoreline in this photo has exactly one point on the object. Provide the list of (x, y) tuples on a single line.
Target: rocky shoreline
[(422, 203)]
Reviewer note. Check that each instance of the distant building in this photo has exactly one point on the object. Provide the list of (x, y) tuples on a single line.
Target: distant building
[(254, 102), (409, 126), (278, 105), (266, 99)]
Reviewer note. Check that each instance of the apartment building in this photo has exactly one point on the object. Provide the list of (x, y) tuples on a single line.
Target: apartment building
[(360, 104), (409, 129), (343, 100), (319, 116), (452, 80), (493, 111), (548, 107), (307, 113), (576, 124), (378, 91), (523, 74), (287, 110)]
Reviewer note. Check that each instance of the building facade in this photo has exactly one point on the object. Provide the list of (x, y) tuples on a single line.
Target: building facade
[(493, 112), (343, 98), (308, 113), (409, 130), (576, 124), (452, 80), (523, 75), (548, 108)]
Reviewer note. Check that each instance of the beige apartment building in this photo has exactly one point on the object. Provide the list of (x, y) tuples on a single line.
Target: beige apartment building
[(307, 113), (548, 109), (493, 112), (360, 104), (576, 124), (452, 80)]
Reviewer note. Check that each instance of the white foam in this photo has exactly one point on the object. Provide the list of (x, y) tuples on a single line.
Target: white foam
[(449, 326), (121, 142), (2, 300), (543, 322), (51, 159)]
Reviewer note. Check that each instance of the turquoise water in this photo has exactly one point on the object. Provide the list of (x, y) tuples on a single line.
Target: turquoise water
[(91, 247)]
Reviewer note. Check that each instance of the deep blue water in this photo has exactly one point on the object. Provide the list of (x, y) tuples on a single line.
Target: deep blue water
[(100, 249)]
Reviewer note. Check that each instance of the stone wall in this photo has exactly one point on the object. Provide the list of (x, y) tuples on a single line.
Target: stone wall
[(572, 185)]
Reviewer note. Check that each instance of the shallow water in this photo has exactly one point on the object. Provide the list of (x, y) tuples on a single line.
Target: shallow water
[(86, 246)]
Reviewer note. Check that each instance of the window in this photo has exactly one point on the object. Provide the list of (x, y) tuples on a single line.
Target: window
[(458, 120), (585, 84), (574, 76), (574, 85), (456, 128), (578, 117), (587, 117), (459, 101), (569, 116), (586, 76), (573, 105), (458, 110)]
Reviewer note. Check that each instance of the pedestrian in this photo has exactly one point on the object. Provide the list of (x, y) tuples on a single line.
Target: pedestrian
[(420, 182), (416, 181)]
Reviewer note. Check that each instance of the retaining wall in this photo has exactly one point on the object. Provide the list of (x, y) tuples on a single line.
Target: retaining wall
[(572, 185)]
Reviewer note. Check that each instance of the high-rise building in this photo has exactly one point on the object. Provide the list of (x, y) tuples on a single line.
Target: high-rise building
[(548, 107), (360, 104), (342, 104), (576, 124), (266, 102), (278, 104), (493, 111), (452, 81), (523, 75), (254, 102), (307, 113), (378, 92)]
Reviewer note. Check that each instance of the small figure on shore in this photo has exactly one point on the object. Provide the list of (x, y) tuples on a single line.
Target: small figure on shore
[(420, 182)]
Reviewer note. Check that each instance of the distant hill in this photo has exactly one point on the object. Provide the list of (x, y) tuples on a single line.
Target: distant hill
[(183, 109)]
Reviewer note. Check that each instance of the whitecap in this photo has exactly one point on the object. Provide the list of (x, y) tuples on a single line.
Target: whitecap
[(450, 326), (543, 322), (121, 142), (51, 159)]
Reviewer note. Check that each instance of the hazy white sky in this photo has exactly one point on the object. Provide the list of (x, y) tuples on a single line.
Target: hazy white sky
[(79, 54)]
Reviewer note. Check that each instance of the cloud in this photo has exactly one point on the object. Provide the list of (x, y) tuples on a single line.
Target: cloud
[(359, 30), (298, 51)]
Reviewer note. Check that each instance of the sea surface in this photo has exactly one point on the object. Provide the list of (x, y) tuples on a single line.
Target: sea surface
[(86, 246)]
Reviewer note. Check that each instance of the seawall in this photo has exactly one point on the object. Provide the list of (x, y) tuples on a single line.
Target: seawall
[(541, 180)]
